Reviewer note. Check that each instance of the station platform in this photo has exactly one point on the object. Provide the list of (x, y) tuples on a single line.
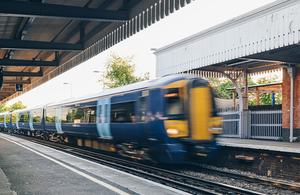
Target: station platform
[(288, 147), (30, 168)]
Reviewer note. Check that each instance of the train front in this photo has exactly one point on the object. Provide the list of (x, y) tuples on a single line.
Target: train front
[(191, 120)]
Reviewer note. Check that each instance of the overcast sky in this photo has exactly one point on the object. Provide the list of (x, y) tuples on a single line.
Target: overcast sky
[(195, 17)]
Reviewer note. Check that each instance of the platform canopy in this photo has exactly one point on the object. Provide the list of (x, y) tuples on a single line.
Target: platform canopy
[(41, 39), (264, 39)]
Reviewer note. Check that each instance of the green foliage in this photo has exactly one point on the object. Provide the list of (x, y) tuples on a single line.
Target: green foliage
[(3, 108), (266, 98), (220, 87), (17, 106), (120, 71)]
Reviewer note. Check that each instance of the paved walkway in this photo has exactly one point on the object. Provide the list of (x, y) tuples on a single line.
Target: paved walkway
[(30, 168), (293, 147)]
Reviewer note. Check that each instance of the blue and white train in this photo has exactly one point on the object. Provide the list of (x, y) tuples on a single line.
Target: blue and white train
[(170, 119)]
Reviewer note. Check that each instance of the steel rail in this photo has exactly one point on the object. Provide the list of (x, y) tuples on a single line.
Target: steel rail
[(248, 177)]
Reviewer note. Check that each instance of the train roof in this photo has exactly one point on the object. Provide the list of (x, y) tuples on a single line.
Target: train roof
[(158, 82), (28, 109), (5, 113)]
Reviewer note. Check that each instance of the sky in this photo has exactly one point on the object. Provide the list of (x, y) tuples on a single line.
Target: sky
[(195, 17)]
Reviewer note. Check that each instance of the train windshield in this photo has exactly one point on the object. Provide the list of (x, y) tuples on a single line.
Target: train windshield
[(174, 104)]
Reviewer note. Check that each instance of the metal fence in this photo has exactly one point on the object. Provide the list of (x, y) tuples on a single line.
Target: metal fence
[(266, 124), (262, 124), (231, 120)]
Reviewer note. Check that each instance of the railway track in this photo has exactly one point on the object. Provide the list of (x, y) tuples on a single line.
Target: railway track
[(177, 180), (250, 178)]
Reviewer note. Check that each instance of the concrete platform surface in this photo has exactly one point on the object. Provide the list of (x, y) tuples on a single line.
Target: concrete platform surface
[(29, 168), (293, 147)]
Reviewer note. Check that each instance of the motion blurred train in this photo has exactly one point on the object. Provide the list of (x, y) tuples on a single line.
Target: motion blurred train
[(171, 119)]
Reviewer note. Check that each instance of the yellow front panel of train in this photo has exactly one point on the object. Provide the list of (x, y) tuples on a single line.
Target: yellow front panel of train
[(200, 109), (176, 128)]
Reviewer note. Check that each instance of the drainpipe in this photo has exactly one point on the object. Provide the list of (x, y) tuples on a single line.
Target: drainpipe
[(292, 73)]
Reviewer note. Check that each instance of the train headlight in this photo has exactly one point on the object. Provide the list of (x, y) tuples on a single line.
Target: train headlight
[(172, 131)]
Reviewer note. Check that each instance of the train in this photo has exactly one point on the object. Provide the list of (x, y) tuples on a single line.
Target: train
[(171, 119)]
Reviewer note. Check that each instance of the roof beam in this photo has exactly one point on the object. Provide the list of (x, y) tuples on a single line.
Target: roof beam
[(8, 87), (13, 82), (7, 92), (22, 74), (11, 62), (275, 57), (43, 10), (38, 45)]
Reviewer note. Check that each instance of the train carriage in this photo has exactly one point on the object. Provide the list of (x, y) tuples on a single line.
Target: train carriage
[(170, 119), (3, 123)]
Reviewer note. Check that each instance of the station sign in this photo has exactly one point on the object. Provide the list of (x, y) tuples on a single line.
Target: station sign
[(19, 87)]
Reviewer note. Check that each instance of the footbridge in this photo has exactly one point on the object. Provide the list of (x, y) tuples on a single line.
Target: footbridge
[(264, 40)]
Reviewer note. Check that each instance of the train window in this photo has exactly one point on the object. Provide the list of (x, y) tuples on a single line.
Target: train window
[(20, 118), (23, 117), (83, 115), (142, 109), (50, 115), (122, 112), (36, 116), (8, 118), (14, 118), (174, 105), (100, 113), (65, 115), (105, 113), (26, 117), (1, 119), (90, 114)]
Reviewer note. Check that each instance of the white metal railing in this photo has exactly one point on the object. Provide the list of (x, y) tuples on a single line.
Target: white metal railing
[(266, 124), (231, 124), (261, 124)]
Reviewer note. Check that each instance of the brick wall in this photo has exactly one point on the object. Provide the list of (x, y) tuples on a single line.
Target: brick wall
[(286, 87)]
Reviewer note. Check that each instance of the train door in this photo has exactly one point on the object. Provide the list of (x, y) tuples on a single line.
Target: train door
[(58, 120), (141, 118), (103, 118), (31, 120), (4, 122), (17, 121)]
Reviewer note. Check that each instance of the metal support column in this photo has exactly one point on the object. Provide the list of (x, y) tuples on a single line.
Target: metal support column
[(245, 132)]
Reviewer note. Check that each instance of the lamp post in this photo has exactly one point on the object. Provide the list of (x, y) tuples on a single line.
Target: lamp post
[(71, 87)]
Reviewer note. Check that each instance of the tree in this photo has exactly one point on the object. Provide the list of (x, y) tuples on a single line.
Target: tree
[(220, 87), (120, 71), (16, 106), (3, 108)]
